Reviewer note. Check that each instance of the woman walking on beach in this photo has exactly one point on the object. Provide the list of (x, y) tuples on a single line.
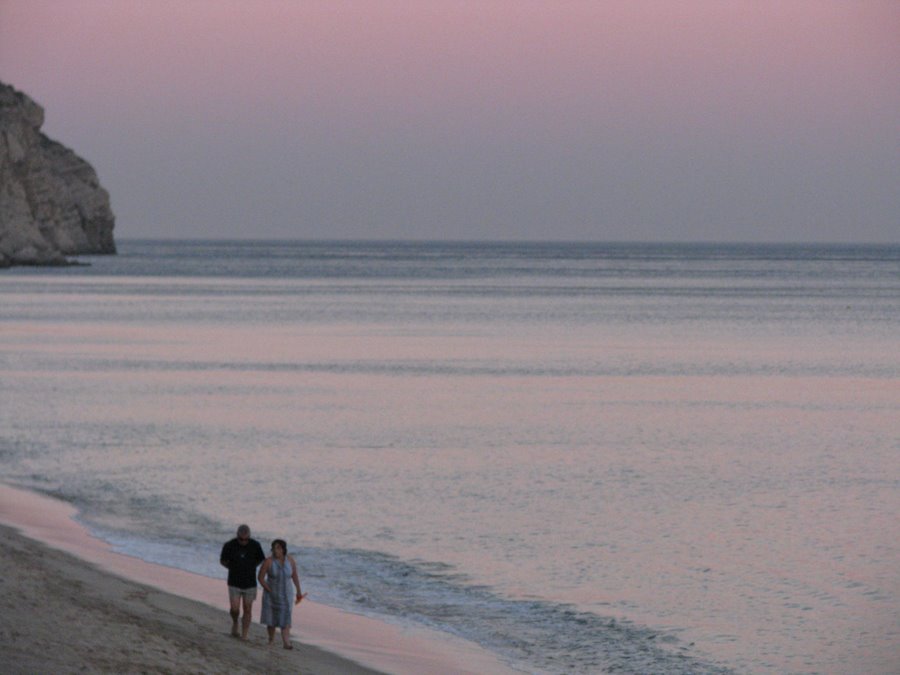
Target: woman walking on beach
[(275, 576)]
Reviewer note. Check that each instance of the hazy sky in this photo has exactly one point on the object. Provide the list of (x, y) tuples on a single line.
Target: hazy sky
[(604, 120)]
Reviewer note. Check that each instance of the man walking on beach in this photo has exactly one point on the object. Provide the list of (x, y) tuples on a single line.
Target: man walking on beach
[(242, 555)]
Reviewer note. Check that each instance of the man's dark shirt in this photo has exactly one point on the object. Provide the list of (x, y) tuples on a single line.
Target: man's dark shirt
[(242, 562)]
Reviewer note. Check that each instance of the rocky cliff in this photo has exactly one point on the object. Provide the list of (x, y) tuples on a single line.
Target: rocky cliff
[(51, 203)]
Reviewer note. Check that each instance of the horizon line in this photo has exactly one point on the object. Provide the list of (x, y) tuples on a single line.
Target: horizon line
[(411, 240)]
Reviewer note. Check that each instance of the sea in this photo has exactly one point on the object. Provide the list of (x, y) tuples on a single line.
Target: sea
[(584, 457)]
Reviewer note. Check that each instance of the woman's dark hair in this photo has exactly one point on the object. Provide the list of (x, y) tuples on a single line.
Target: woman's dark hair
[(283, 545)]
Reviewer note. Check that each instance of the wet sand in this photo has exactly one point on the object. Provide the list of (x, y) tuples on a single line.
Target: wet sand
[(68, 603)]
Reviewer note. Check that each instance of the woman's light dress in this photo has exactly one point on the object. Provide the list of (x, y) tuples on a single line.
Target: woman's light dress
[(277, 605)]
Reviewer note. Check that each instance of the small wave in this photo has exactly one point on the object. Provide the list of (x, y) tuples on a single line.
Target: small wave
[(474, 368), (535, 635)]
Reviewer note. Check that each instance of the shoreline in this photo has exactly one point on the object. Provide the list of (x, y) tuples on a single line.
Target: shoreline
[(164, 607)]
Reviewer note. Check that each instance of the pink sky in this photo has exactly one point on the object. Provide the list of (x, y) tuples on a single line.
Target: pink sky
[(597, 120)]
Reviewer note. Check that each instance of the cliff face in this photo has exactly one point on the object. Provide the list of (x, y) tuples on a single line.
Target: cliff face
[(51, 202)]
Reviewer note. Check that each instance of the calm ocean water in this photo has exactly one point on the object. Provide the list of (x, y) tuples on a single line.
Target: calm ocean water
[(584, 457)]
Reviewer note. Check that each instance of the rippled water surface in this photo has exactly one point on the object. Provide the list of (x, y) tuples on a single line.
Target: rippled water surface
[(647, 458)]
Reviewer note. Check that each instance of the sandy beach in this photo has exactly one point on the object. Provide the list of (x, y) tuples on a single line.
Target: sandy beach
[(59, 614), (69, 603)]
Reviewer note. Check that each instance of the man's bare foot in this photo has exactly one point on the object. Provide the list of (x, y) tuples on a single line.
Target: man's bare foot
[(234, 630), (288, 645)]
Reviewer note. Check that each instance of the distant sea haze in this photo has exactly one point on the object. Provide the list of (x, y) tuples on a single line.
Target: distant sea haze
[(644, 458)]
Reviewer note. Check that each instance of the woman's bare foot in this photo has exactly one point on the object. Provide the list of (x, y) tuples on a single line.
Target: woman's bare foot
[(288, 645)]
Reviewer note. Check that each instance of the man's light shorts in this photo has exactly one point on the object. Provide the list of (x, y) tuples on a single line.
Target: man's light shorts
[(246, 593)]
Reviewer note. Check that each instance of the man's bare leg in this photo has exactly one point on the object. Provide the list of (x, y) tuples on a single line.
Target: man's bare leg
[(235, 612), (247, 618)]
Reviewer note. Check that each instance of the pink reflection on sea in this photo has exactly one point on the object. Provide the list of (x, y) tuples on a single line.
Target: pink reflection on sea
[(750, 509)]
